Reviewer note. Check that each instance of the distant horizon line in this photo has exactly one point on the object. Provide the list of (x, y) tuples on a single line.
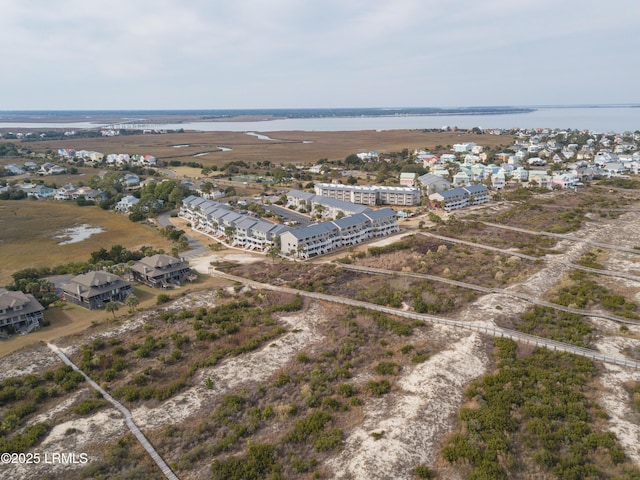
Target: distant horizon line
[(271, 109)]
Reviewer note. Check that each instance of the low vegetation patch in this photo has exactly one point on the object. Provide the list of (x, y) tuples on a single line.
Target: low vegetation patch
[(536, 412)]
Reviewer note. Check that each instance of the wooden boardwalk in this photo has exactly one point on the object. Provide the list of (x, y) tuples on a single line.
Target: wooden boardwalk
[(168, 473)]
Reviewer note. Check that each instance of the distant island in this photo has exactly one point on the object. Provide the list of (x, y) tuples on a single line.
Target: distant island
[(261, 113)]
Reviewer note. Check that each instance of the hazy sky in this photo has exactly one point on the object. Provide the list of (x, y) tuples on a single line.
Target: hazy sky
[(157, 54)]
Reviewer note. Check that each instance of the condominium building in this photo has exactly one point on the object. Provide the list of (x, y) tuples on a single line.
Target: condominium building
[(370, 194), (258, 234), (323, 237), (460, 197), (238, 230)]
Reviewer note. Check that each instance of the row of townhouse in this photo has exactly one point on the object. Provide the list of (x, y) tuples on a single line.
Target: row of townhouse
[(370, 194), (323, 237), (325, 206), (460, 197), (257, 234), (238, 229)]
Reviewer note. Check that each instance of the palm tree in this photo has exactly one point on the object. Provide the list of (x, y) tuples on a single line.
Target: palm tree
[(112, 307), (273, 252), (132, 302)]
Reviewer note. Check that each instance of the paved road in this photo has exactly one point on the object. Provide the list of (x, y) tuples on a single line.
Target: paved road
[(196, 249), (288, 215), (493, 331), (122, 409)]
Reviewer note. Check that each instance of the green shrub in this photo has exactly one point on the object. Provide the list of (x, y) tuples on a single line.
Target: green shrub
[(378, 388), (257, 464), (162, 298), (347, 390), (312, 424), (88, 405), (386, 368), (330, 440), (423, 471)]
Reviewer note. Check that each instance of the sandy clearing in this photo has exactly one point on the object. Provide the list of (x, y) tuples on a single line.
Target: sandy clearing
[(413, 419), (100, 428), (623, 418), (60, 408), (202, 264), (33, 359)]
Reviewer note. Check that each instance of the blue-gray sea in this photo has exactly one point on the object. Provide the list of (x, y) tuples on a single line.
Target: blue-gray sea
[(600, 119)]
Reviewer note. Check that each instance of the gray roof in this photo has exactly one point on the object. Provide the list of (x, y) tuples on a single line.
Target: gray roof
[(160, 261), (311, 230), (379, 214), (231, 217), (476, 189), (430, 179), (279, 229), (246, 223), (454, 192), (27, 302), (159, 264), (339, 204), (94, 283), (189, 199), (300, 194), (263, 226), (353, 220)]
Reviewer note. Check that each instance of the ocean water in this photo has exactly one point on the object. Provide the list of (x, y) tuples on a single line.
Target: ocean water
[(600, 119)]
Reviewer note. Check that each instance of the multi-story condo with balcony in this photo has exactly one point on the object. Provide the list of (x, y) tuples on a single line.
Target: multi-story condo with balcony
[(370, 194)]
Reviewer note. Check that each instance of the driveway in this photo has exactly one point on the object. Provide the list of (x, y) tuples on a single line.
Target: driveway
[(196, 249)]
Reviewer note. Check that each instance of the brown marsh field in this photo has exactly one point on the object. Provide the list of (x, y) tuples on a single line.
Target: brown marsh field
[(285, 147), (28, 229)]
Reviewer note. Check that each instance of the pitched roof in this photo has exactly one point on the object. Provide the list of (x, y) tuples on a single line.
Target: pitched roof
[(300, 194), (311, 230), (26, 302), (160, 261), (351, 221), (379, 214), (93, 283), (340, 204), (476, 189), (430, 179), (454, 192)]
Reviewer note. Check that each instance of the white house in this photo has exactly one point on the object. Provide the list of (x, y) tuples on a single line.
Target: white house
[(125, 204)]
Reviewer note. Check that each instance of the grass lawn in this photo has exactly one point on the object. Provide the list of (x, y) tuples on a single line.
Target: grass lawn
[(28, 228)]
